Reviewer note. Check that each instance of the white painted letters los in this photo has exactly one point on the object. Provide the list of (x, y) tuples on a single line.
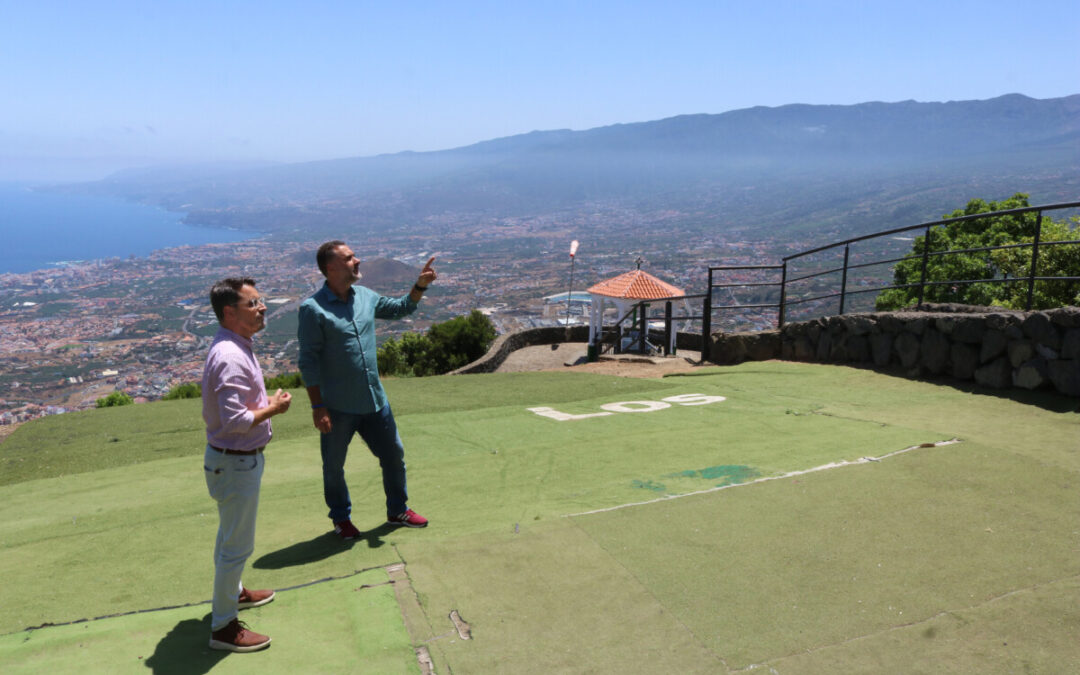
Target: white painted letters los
[(630, 407)]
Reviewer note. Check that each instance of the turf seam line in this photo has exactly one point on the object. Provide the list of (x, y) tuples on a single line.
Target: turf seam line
[(49, 624), (420, 635), (343, 576), (902, 626), (433, 638), (645, 589), (789, 474)]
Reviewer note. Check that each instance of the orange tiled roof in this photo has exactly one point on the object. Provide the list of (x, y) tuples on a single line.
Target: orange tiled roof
[(636, 285)]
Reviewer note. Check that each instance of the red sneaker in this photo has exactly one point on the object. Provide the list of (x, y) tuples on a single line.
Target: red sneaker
[(409, 519), (346, 530), (249, 598), (237, 637)]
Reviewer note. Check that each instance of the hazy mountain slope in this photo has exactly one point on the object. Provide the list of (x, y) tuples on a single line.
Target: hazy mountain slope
[(840, 155)]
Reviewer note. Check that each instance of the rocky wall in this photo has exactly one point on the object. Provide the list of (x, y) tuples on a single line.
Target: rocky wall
[(993, 347)]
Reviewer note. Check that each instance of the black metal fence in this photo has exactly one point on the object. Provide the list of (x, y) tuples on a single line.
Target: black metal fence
[(808, 284), (811, 284)]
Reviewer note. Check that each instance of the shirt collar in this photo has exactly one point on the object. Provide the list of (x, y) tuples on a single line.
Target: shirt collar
[(331, 296), (235, 337)]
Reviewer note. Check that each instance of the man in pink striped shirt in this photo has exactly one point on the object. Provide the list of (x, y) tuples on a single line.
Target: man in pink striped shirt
[(237, 413)]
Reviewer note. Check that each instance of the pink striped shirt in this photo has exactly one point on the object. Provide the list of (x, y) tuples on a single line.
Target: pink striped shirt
[(232, 389)]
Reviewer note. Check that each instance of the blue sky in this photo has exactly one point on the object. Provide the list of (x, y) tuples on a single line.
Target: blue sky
[(92, 86)]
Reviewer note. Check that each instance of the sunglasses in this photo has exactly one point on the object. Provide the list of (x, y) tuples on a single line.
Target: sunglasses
[(252, 303)]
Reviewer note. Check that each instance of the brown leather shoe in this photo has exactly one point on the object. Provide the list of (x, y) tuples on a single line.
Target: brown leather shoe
[(249, 598), (237, 637)]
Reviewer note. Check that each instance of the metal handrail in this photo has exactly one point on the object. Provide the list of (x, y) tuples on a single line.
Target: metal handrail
[(932, 223), (916, 255), (706, 322), (925, 255)]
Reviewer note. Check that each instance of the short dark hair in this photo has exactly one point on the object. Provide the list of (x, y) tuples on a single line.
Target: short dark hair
[(325, 251), (227, 292)]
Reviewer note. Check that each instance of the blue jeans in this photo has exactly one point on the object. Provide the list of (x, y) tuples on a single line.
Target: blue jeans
[(233, 482), (379, 432)]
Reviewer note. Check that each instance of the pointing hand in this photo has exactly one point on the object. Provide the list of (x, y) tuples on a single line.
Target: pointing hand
[(427, 275)]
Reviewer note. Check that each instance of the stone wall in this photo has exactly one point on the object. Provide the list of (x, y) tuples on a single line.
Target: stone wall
[(505, 344), (994, 347)]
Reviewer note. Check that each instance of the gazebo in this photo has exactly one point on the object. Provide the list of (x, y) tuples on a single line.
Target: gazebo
[(625, 291)]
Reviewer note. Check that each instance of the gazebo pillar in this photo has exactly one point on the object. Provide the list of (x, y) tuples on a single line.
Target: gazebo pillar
[(596, 317), (596, 312)]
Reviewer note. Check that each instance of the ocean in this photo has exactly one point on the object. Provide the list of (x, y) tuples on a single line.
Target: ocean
[(39, 230)]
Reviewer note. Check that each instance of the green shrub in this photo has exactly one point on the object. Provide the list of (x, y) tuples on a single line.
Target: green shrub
[(446, 346), (114, 399), (283, 381), (185, 390)]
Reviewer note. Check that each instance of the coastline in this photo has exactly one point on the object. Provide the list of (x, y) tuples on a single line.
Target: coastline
[(47, 229)]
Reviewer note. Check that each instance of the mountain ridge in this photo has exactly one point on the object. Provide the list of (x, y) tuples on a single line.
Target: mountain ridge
[(852, 151)]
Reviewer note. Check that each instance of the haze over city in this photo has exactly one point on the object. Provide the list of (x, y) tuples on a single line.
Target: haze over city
[(97, 87)]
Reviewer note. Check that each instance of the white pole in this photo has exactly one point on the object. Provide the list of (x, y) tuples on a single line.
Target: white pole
[(570, 292)]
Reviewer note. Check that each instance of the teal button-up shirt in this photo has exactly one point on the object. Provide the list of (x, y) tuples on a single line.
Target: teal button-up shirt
[(337, 346)]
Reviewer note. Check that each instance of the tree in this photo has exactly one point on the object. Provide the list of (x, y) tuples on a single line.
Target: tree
[(460, 340), (416, 353), (446, 346), (391, 359), (1012, 263), (411, 356), (117, 398)]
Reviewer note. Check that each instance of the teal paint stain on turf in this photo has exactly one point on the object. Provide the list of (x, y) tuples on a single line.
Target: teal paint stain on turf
[(648, 485), (727, 474)]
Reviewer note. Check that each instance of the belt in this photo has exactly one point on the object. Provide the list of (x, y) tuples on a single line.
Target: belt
[(227, 451)]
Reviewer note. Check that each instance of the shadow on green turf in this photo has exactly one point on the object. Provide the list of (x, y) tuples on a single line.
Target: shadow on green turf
[(184, 650), (320, 548), (1047, 399), (717, 370), (1050, 401)]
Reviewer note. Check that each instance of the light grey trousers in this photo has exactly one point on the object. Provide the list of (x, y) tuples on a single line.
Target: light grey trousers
[(233, 482)]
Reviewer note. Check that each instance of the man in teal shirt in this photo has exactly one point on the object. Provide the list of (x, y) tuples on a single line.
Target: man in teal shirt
[(338, 363)]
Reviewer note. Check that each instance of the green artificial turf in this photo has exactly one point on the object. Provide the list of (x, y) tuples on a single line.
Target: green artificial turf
[(142, 536), (1030, 630), (547, 599), (352, 625), (832, 556), (106, 438), (481, 470), (678, 540)]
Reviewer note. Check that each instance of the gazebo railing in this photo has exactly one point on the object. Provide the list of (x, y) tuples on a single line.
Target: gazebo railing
[(634, 327)]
